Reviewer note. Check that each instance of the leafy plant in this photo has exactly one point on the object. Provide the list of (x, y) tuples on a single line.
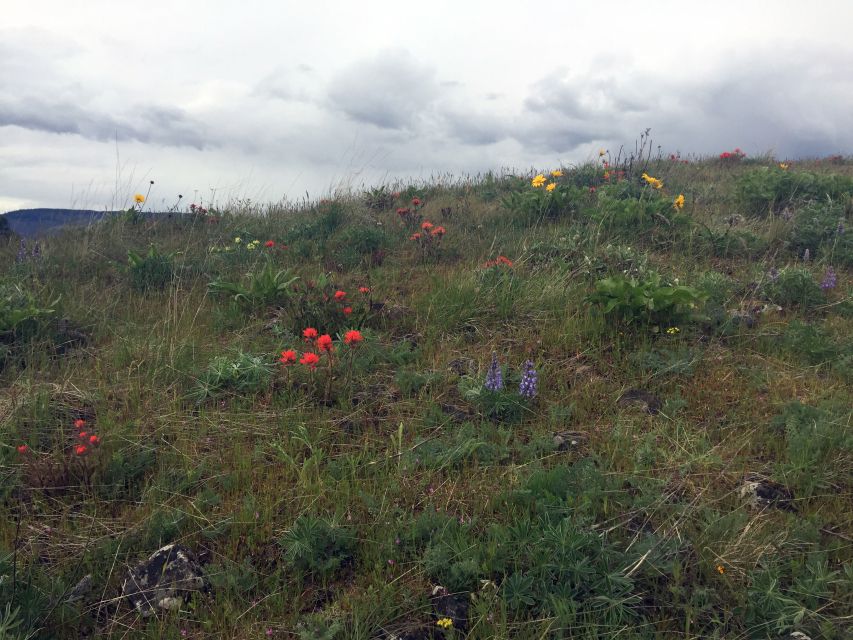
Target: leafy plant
[(649, 300), (820, 229), (769, 189), (315, 547), (379, 198), (244, 373), (794, 286), (268, 287), (532, 204), (154, 270)]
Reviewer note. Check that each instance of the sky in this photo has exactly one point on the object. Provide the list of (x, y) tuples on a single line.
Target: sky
[(278, 100)]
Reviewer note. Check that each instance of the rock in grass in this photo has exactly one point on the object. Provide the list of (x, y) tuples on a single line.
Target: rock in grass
[(763, 493), (648, 401), (565, 440), (163, 582), (451, 605), (81, 589)]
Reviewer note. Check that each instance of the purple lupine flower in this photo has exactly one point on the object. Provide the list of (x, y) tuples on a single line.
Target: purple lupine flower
[(807, 255), (36, 251), (829, 280), (22, 252), (529, 379), (494, 376)]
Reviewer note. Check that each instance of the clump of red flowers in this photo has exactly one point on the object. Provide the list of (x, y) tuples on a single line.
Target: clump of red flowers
[(23, 448), (353, 337), (732, 157), (309, 359), (364, 290), (288, 357), (269, 244), (309, 334), (497, 262), (85, 439)]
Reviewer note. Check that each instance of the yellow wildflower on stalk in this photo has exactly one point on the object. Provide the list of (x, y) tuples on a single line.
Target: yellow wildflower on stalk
[(538, 181), (673, 330), (557, 173), (445, 623), (784, 166), (654, 182), (551, 186), (678, 203), (139, 198), (601, 152), (721, 569), (238, 240)]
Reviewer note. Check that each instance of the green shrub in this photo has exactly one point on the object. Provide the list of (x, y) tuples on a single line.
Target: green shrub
[(794, 286), (378, 198), (636, 215), (820, 229), (265, 288), (769, 189), (532, 204), (243, 373), (649, 301), (317, 548), (152, 271)]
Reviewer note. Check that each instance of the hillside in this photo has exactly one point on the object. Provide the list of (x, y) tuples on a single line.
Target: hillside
[(605, 401), (29, 223)]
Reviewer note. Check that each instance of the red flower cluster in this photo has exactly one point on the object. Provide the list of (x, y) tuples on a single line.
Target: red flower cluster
[(429, 231), (269, 244), (323, 343), (85, 440), (353, 337), (197, 208), (500, 260), (731, 157), (364, 290), (615, 175)]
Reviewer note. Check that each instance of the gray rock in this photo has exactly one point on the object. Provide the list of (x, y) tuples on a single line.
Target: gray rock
[(166, 580), (462, 366), (648, 401), (763, 493), (81, 589), (565, 440), (451, 605)]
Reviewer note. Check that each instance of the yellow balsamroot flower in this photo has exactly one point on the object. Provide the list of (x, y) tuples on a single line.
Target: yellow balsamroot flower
[(139, 198), (445, 623), (678, 203), (557, 173), (783, 165), (721, 569), (601, 152), (551, 186), (538, 181), (654, 182), (673, 330), (238, 240)]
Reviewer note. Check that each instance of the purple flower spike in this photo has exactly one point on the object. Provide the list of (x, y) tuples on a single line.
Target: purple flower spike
[(529, 380), (829, 280), (494, 376)]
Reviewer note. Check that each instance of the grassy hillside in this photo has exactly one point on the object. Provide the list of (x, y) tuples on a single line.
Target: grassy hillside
[(679, 463)]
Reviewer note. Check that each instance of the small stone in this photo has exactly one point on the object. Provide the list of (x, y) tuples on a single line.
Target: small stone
[(566, 440), (763, 493), (651, 403), (81, 589), (164, 581)]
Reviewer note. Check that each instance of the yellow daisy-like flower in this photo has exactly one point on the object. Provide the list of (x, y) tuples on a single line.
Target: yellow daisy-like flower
[(654, 182), (783, 165), (538, 181), (721, 569), (139, 198), (445, 623), (678, 203), (557, 173), (601, 152), (673, 330), (551, 186), (238, 240)]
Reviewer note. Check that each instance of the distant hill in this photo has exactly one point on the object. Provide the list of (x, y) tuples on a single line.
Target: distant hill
[(35, 222)]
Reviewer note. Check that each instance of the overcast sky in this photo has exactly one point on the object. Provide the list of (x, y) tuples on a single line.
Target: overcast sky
[(271, 99)]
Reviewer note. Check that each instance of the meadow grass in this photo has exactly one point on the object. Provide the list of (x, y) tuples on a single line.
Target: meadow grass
[(331, 502)]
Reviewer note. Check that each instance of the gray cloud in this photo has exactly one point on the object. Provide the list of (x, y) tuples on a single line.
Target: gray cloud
[(390, 90)]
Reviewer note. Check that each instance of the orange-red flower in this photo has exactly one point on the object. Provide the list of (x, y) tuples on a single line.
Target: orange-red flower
[(415, 236), (364, 289), (79, 423), (82, 434), (438, 231), (269, 244), (93, 439), (347, 311), (22, 448), (309, 359), (80, 449), (324, 342), (288, 357), (505, 260), (310, 333), (416, 201), (427, 225), (353, 337), (340, 295)]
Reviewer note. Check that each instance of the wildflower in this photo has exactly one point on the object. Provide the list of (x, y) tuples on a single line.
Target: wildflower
[(655, 183), (353, 337), (288, 357), (139, 198), (784, 166), (251, 246), (309, 334), (538, 181), (673, 330), (401, 211), (347, 310), (415, 236), (557, 173), (324, 342), (721, 569), (269, 244), (23, 448), (601, 152), (551, 186), (839, 230), (427, 225), (416, 202), (438, 231), (364, 289), (391, 562), (82, 434), (93, 439), (678, 203), (340, 295), (309, 359), (445, 623), (79, 423), (238, 240), (773, 274), (592, 189), (829, 280), (494, 376), (22, 252), (529, 379), (269, 632), (80, 449)]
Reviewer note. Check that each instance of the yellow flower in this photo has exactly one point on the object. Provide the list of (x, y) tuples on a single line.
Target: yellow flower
[(557, 173), (783, 165), (721, 569), (551, 186), (673, 330), (238, 240), (139, 198), (538, 181), (445, 623), (601, 152), (678, 203), (654, 182)]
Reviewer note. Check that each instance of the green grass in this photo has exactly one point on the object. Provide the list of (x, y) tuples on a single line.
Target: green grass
[(329, 502)]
